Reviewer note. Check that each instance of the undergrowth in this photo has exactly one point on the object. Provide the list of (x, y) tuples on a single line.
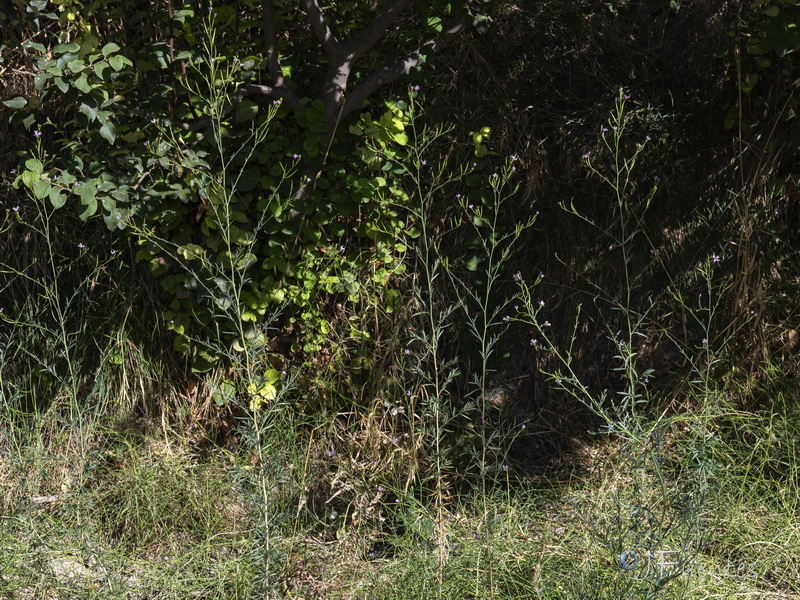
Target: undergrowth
[(411, 493)]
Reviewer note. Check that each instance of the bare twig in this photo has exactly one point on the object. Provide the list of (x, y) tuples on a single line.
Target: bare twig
[(270, 43), (391, 72), (320, 26), (360, 44), (251, 89)]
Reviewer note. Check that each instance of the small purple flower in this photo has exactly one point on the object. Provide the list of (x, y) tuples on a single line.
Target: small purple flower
[(648, 138), (395, 440), (458, 195), (37, 133), (153, 121), (424, 162), (534, 342), (407, 352), (113, 252), (330, 453), (517, 276), (380, 488), (372, 555), (81, 245), (547, 324), (506, 319), (15, 208), (541, 303), (714, 258), (604, 130), (705, 341), (523, 426), (505, 467), (471, 206), (13, 171), (586, 156), (416, 88), (626, 97), (295, 156), (408, 393), (541, 275)]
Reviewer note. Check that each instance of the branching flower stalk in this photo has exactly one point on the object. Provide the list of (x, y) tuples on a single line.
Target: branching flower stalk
[(434, 372), (487, 319), (60, 302), (439, 282), (223, 282), (653, 514)]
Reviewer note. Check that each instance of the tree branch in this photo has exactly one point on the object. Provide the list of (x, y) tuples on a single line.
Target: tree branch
[(391, 72), (320, 27), (271, 42), (251, 89), (369, 36)]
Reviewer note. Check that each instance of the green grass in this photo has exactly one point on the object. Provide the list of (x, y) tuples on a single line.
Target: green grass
[(143, 518)]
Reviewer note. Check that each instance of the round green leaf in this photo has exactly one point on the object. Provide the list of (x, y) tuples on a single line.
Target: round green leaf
[(16, 102), (57, 199), (245, 111), (109, 48), (62, 85), (35, 165), (82, 83), (109, 132), (64, 48), (117, 62), (41, 189), (91, 208), (76, 66)]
